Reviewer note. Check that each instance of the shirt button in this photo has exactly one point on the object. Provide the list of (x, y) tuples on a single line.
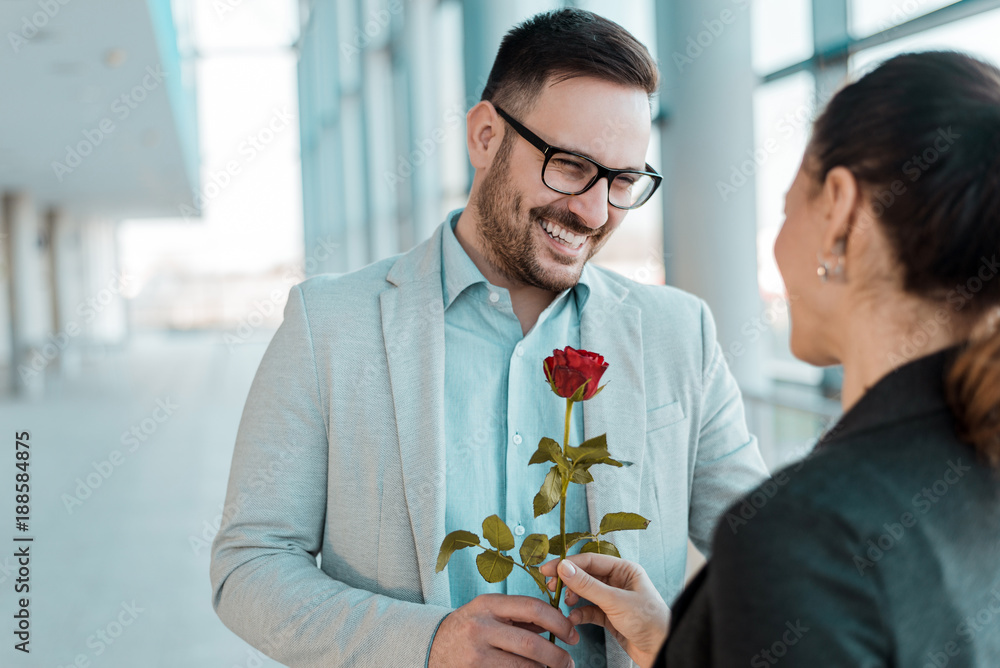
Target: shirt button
[(519, 530), (520, 351), (517, 439), (494, 297)]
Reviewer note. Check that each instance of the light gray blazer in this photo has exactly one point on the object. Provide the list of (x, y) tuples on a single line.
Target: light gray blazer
[(340, 452)]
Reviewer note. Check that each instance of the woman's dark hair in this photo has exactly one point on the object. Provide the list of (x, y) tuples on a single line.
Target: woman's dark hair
[(560, 45), (921, 133)]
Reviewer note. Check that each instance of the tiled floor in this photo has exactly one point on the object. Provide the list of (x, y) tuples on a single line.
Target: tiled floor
[(130, 551)]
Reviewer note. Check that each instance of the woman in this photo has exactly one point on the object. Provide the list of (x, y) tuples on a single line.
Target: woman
[(882, 548)]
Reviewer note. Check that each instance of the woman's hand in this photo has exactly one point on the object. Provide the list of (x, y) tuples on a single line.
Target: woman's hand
[(625, 601)]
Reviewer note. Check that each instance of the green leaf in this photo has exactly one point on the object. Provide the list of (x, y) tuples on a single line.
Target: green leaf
[(589, 451), (539, 579), (555, 543), (612, 462), (498, 533), (456, 540), (548, 497), (599, 390), (548, 451), (580, 391), (623, 522), (493, 566), (581, 476), (549, 380), (600, 547), (534, 549)]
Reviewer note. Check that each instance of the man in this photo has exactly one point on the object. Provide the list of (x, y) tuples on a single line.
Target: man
[(403, 401)]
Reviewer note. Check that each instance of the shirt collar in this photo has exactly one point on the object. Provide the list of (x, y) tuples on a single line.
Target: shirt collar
[(458, 271)]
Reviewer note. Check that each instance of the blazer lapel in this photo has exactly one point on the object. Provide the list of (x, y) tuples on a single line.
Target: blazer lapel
[(413, 330), (612, 328)]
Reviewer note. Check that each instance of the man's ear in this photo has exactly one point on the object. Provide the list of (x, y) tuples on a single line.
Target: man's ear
[(483, 134), (841, 198)]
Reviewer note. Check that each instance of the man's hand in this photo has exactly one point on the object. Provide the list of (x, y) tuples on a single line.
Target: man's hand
[(501, 630), (625, 601)]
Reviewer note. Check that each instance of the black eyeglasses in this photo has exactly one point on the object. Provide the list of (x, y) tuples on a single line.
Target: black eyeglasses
[(570, 173)]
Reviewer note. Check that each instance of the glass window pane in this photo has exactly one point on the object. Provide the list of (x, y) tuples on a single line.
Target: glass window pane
[(635, 249), (782, 33), (976, 35), (783, 115), (867, 17), (636, 16)]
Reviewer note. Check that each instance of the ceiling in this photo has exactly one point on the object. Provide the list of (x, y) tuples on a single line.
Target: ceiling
[(85, 80)]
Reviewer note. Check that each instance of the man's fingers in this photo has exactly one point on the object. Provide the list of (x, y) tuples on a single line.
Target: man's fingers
[(498, 657), (571, 597), (533, 611), (528, 626), (533, 647), (589, 614)]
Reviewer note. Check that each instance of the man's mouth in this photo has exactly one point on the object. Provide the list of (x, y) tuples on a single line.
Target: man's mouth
[(563, 236)]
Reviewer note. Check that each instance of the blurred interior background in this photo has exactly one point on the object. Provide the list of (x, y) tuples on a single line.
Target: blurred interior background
[(168, 170)]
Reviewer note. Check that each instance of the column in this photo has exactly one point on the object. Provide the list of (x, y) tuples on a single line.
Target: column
[(711, 234)]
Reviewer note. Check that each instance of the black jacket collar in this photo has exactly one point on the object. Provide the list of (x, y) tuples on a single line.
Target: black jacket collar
[(909, 391)]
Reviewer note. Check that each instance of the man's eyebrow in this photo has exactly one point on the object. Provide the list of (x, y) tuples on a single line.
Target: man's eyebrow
[(573, 149)]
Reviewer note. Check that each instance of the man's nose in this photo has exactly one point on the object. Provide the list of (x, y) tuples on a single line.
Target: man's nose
[(592, 206)]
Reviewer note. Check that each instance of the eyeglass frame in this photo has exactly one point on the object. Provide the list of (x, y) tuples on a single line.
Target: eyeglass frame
[(548, 150)]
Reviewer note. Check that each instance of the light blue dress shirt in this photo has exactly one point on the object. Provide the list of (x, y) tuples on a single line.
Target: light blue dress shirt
[(497, 407)]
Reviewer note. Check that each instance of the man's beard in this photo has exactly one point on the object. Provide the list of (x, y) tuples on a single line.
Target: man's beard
[(508, 239)]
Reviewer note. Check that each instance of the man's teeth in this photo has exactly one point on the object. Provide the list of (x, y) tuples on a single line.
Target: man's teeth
[(574, 241)]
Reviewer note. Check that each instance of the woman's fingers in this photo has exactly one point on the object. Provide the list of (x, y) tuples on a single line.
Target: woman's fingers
[(585, 586), (588, 614)]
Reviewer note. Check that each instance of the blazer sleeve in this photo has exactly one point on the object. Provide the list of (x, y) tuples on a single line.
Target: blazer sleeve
[(266, 585), (728, 462)]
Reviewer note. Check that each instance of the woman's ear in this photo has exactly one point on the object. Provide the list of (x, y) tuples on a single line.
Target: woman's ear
[(482, 134), (841, 199)]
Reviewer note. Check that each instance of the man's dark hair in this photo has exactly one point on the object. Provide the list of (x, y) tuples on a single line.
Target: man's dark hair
[(563, 44)]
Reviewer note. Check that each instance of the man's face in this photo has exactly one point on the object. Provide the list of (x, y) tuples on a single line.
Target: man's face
[(598, 119)]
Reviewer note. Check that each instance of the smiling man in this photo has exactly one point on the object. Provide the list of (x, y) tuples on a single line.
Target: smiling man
[(413, 394)]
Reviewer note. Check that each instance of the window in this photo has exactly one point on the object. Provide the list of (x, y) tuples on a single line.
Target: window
[(867, 17)]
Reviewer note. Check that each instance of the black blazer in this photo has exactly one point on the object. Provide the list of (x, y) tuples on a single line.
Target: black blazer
[(882, 548)]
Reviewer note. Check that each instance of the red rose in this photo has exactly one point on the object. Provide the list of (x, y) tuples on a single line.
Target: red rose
[(567, 370)]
